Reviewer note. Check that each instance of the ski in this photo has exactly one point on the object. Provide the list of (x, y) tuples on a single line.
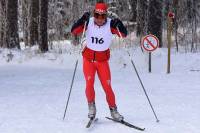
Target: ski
[(126, 124), (91, 121)]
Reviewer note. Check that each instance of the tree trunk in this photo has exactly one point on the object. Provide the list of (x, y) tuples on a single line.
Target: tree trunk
[(25, 21), (155, 19), (123, 10), (142, 6), (75, 10), (43, 41), (175, 5), (194, 25), (34, 20), (75, 17), (133, 4), (2, 22), (12, 36)]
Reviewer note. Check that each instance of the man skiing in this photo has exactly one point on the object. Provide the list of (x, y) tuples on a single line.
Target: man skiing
[(99, 32)]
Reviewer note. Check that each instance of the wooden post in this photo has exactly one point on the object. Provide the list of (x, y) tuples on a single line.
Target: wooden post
[(169, 39)]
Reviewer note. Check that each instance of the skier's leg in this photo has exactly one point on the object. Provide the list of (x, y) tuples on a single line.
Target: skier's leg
[(103, 71), (104, 75), (89, 71)]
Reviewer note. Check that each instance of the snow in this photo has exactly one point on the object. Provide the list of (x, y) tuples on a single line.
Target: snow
[(34, 89)]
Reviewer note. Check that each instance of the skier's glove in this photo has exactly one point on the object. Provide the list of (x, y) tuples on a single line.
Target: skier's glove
[(117, 23), (86, 17)]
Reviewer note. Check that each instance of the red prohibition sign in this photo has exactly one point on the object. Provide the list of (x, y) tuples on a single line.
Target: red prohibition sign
[(150, 43)]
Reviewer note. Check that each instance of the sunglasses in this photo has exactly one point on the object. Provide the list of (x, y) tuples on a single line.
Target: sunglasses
[(100, 16)]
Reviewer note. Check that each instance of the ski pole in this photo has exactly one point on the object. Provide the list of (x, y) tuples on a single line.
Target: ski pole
[(72, 82), (140, 81), (143, 88)]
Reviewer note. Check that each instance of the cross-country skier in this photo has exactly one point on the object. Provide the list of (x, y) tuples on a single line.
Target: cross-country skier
[(99, 32)]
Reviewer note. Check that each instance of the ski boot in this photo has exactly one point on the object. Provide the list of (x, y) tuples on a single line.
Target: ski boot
[(115, 114), (92, 110)]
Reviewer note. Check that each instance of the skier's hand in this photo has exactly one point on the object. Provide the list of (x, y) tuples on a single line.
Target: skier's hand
[(117, 23), (66, 22), (86, 17), (75, 41)]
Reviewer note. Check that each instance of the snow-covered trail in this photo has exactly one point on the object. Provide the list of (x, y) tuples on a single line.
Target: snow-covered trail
[(33, 97)]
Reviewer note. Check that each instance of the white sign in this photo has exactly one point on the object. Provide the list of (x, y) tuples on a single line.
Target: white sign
[(150, 43)]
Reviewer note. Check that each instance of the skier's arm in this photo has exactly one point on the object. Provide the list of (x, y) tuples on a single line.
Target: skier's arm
[(78, 26), (117, 24)]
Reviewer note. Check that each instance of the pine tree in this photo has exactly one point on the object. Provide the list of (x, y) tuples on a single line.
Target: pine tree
[(193, 21), (155, 19), (12, 35), (123, 10), (75, 10), (25, 24), (175, 5), (133, 4), (2, 22), (34, 19), (142, 6), (43, 35)]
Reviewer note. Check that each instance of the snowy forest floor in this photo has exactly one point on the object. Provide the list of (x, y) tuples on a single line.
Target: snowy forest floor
[(33, 94)]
